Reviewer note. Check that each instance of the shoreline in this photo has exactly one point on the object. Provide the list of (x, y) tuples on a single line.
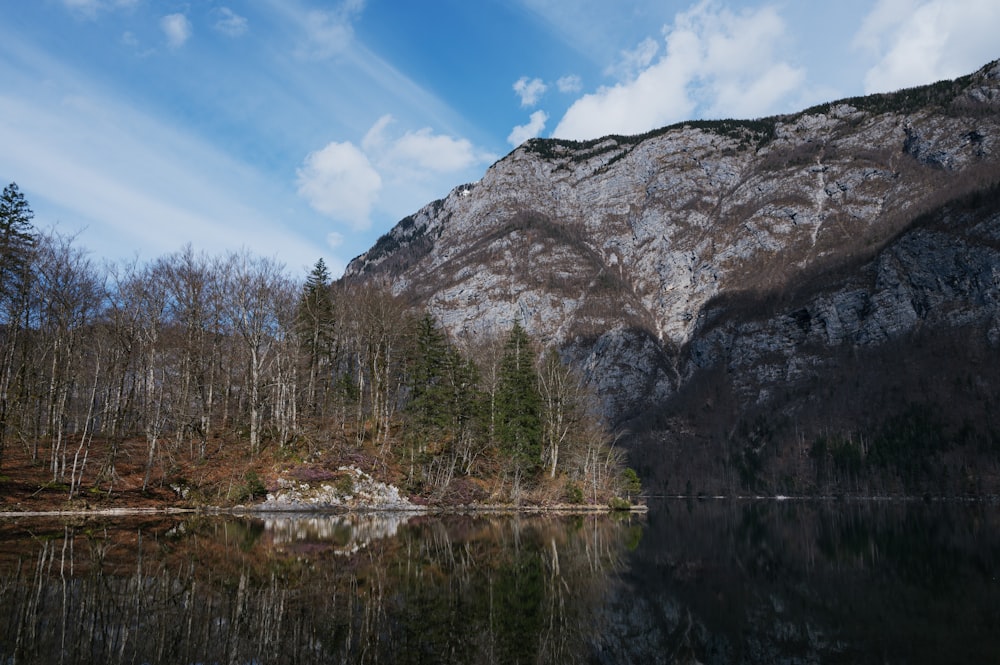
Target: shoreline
[(251, 511), (466, 509)]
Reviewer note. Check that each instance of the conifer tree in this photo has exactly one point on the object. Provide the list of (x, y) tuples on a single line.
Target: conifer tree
[(17, 243), (314, 323), (428, 403), (17, 240), (519, 406)]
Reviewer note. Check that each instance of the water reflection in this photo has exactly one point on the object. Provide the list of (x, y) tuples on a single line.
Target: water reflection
[(811, 582), (342, 534), (302, 589), (701, 582)]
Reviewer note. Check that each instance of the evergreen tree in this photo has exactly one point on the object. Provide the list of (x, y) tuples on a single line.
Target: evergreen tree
[(314, 325), (519, 406), (429, 398), (17, 241), (17, 244)]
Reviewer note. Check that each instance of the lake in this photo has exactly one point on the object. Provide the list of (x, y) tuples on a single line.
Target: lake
[(690, 582)]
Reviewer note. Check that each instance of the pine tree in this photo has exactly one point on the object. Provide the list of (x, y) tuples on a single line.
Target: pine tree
[(519, 406), (17, 241), (17, 244), (428, 403), (314, 325)]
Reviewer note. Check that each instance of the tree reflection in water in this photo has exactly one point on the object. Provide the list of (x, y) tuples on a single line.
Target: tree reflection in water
[(727, 582), (303, 589)]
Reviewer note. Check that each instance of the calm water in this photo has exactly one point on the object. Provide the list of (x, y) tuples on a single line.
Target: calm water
[(700, 582)]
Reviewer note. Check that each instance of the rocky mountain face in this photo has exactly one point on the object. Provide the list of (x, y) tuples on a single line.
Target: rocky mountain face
[(737, 290)]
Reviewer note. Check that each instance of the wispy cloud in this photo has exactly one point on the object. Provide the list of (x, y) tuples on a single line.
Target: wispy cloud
[(634, 61), (91, 8), (96, 164), (914, 41), (229, 22), (177, 29), (533, 128), (328, 32), (569, 84), (717, 62)]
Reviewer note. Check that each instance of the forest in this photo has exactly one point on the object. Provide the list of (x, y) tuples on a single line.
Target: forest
[(192, 362)]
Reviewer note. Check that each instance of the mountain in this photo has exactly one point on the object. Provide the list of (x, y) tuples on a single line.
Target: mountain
[(791, 303)]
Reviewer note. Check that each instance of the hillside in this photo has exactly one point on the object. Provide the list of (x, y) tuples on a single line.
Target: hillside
[(800, 303)]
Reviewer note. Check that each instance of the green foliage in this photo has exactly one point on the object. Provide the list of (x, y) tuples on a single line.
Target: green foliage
[(519, 596), (314, 316), (344, 484), (429, 403), (618, 503), (846, 455), (252, 487), (519, 404), (752, 440), (907, 100), (748, 133), (906, 440), (442, 404), (574, 493), (17, 241), (631, 485), (633, 537)]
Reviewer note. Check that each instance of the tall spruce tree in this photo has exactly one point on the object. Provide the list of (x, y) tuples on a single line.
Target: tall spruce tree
[(428, 403), (17, 244), (17, 241), (519, 406), (314, 325)]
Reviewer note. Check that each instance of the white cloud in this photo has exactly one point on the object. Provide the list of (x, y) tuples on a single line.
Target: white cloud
[(415, 154), (392, 173), (230, 23), (634, 61), (569, 84), (177, 29), (716, 62), (341, 183), (100, 168), (329, 32), (535, 125), (438, 153), (656, 97), (921, 41), (529, 90), (334, 239)]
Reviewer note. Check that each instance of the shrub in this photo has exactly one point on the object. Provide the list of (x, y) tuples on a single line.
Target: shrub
[(253, 488), (618, 503), (574, 493), (345, 484)]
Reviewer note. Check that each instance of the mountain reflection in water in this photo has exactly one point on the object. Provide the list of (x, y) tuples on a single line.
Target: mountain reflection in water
[(694, 582)]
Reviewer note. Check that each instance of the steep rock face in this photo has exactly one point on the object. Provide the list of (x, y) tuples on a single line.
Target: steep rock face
[(943, 273), (648, 259)]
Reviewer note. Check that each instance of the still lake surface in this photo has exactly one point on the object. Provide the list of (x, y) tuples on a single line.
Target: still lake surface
[(691, 582)]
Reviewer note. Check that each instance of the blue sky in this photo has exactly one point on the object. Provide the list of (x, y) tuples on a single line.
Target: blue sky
[(301, 129)]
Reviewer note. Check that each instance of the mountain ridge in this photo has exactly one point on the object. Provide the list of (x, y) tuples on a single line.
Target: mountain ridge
[(650, 261)]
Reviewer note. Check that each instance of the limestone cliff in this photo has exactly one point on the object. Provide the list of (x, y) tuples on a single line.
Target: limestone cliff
[(764, 248)]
